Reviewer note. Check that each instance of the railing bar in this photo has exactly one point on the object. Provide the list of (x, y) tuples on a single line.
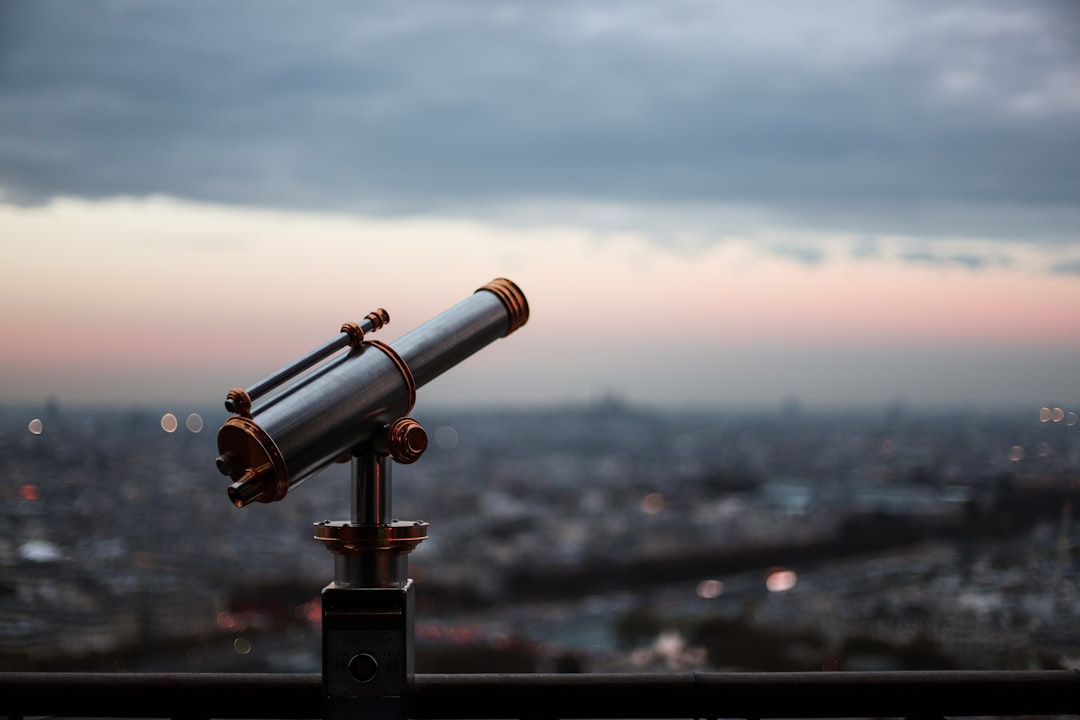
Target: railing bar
[(759, 695), (158, 695), (646, 695)]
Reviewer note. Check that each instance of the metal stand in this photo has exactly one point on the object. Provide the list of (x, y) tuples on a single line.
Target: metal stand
[(321, 409), (367, 612)]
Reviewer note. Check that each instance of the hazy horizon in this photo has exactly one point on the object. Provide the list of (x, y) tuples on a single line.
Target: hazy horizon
[(790, 407)]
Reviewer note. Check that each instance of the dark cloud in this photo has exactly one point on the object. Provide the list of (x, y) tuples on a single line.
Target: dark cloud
[(970, 261), (808, 255), (958, 118), (1067, 268)]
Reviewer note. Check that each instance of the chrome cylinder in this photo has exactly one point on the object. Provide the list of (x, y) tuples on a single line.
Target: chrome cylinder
[(371, 490), (371, 570), (446, 340)]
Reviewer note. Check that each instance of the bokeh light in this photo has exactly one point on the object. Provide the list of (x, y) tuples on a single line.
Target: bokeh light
[(1016, 453), (446, 437), (652, 503), (710, 589), (169, 422), (780, 580), (35, 426), (242, 646), (888, 447), (194, 422)]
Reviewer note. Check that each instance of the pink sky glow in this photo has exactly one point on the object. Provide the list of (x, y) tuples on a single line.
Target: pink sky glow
[(164, 301)]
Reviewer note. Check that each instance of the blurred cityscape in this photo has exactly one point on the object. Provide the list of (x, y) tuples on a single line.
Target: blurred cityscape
[(603, 538)]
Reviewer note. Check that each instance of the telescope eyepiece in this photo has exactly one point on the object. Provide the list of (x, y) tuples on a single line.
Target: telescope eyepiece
[(242, 493), (254, 484)]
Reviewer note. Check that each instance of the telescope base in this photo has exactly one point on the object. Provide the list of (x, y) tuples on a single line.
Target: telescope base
[(368, 667)]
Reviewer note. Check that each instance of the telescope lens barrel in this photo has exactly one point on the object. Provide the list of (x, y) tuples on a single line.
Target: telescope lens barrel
[(446, 340), (322, 416)]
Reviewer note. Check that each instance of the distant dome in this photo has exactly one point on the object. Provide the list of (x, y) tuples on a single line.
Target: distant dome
[(39, 551)]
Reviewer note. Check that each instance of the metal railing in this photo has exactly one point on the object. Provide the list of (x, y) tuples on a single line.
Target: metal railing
[(534, 696)]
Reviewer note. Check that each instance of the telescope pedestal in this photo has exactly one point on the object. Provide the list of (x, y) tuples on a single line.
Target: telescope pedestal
[(367, 612), (367, 652)]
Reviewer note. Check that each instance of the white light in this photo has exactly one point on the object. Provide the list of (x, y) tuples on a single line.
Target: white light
[(710, 589), (169, 423), (446, 437)]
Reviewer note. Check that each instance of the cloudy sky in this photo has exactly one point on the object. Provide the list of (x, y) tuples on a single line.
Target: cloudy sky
[(709, 203)]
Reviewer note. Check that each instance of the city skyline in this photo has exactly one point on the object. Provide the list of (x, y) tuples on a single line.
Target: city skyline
[(707, 205)]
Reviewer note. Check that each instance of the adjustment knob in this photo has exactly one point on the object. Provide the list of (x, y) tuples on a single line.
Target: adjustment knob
[(406, 441)]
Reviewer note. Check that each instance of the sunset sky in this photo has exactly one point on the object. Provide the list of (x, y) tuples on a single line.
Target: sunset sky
[(709, 204)]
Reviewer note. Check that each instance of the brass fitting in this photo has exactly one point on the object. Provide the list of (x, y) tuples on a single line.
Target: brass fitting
[(348, 538)]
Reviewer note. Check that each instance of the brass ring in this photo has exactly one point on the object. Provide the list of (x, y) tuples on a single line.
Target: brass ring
[(238, 401), (513, 299), (378, 318), (403, 368), (270, 450), (355, 333)]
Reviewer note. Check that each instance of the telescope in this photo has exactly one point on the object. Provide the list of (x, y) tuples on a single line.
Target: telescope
[(348, 401), (270, 447)]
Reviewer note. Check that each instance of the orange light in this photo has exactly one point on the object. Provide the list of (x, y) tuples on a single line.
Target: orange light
[(780, 580), (652, 503)]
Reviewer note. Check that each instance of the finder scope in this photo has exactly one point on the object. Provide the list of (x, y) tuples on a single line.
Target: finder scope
[(317, 410)]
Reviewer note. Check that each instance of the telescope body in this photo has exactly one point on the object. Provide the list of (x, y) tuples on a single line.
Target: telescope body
[(323, 416)]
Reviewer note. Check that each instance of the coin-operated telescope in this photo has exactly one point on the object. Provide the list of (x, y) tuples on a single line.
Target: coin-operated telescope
[(349, 400)]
